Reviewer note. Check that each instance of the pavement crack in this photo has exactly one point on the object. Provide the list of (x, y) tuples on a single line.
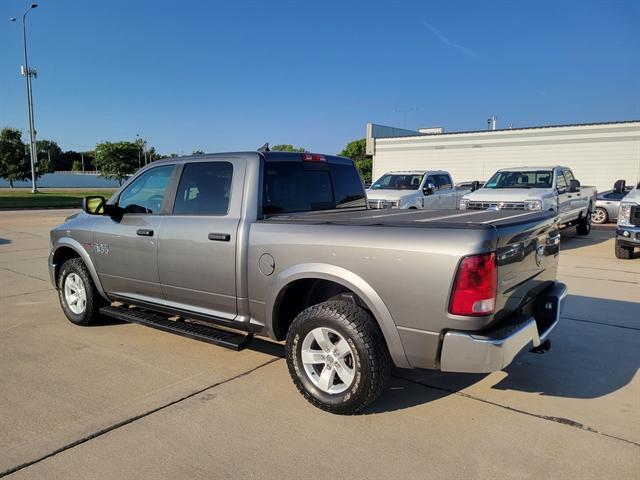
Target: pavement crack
[(600, 323), (23, 274), (26, 293), (130, 420), (595, 278), (563, 421)]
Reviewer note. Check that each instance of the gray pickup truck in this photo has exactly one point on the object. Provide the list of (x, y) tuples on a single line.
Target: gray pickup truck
[(226, 246)]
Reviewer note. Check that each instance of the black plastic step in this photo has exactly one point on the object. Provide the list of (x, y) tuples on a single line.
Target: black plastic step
[(195, 331)]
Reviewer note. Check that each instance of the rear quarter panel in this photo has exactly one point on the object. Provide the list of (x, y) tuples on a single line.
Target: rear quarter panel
[(410, 269)]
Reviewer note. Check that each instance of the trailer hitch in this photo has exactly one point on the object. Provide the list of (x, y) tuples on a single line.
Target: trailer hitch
[(542, 348)]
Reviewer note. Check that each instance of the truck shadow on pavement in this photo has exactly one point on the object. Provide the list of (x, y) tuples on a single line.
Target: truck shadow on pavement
[(570, 239), (594, 353), (4, 241)]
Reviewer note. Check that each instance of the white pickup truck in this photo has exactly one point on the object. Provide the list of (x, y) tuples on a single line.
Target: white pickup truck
[(541, 188), (430, 189), (628, 231)]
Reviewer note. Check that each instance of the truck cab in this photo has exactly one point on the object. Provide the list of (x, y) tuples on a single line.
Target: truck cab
[(415, 189)]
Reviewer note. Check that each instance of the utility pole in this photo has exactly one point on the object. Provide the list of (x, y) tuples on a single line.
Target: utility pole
[(139, 142), (145, 153), (82, 158), (404, 114), (28, 73)]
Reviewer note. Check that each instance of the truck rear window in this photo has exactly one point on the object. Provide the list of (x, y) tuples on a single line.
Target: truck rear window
[(299, 187)]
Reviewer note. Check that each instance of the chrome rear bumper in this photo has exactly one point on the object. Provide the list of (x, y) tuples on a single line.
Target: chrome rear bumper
[(483, 352)]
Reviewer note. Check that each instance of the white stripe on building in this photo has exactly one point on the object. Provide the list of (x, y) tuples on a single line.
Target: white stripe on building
[(599, 154)]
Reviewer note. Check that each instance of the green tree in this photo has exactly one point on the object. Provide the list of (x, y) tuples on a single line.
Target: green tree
[(116, 160), (76, 166), (197, 152), (286, 147), (49, 154), (14, 162), (357, 152)]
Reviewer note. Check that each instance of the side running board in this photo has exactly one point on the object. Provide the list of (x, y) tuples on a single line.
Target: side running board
[(195, 331)]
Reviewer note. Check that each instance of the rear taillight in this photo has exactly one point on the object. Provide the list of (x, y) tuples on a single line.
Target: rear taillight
[(474, 289)]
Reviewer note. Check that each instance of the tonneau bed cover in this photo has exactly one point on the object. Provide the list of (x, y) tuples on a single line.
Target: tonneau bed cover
[(414, 218)]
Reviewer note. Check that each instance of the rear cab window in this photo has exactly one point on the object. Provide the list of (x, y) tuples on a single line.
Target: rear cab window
[(294, 185), (204, 189), (444, 182)]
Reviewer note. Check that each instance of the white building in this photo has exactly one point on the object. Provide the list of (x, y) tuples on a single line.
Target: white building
[(598, 153)]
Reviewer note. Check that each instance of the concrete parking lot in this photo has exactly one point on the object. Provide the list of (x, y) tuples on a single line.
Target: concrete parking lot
[(124, 401)]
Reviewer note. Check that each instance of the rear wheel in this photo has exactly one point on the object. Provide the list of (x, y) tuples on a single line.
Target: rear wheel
[(624, 253), (337, 357), (78, 295), (600, 216), (584, 224)]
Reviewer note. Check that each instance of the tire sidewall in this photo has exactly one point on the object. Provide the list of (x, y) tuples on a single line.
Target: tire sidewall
[(67, 269), (294, 345)]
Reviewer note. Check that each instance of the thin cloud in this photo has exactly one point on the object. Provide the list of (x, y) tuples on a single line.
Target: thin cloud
[(467, 51)]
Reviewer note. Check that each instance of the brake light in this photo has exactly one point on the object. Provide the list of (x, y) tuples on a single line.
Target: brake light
[(313, 157), (474, 289)]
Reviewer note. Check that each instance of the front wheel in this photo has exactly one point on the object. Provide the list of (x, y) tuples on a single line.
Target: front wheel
[(79, 297), (624, 253), (600, 216), (337, 357), (584, 225)]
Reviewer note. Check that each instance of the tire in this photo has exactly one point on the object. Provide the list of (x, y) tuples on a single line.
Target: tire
[(584, 225), (600, 216), (75, 277), (358, 377), (624, 253)]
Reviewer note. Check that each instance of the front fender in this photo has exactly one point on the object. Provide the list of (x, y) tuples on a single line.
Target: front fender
[(84, 255), (354, 283)]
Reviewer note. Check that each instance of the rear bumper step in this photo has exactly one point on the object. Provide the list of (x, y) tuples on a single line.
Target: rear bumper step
[(195, 331), (483, 352)]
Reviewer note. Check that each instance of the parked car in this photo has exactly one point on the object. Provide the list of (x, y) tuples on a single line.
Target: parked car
[(544, 188), (608, 203), (628, 230), (226, 246), (430, 189)]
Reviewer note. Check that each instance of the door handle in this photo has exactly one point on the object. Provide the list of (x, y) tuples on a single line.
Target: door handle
[(143, 232), (219, 237), (569, 196)]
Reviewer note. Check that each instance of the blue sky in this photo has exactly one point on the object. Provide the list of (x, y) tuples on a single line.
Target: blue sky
[(221, 76)]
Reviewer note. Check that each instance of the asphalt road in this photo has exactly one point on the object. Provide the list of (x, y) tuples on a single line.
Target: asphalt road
[(124, 401)]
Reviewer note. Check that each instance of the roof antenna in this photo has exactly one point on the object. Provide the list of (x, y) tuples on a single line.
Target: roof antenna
[(264, 148)]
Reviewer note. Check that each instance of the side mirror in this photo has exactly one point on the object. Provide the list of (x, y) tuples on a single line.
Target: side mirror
[(475, 185), (574, 186), (428, 189), (93, 205)]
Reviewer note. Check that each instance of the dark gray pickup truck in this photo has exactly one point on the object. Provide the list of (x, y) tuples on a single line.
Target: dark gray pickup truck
[(223, 247)]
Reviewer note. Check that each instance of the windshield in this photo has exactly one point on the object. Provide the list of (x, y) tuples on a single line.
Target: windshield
[(525, 179), (396, 181)]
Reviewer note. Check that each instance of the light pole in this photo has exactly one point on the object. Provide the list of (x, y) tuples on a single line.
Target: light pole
[(28, 73), (139, 142)]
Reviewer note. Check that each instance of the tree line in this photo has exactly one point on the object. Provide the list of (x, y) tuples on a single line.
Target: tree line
[(114, 160)]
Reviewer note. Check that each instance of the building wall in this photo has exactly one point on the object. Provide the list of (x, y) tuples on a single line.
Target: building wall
[(598, 154)]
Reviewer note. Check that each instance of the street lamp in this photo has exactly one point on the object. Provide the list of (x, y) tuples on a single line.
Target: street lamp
[(28, 73)]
